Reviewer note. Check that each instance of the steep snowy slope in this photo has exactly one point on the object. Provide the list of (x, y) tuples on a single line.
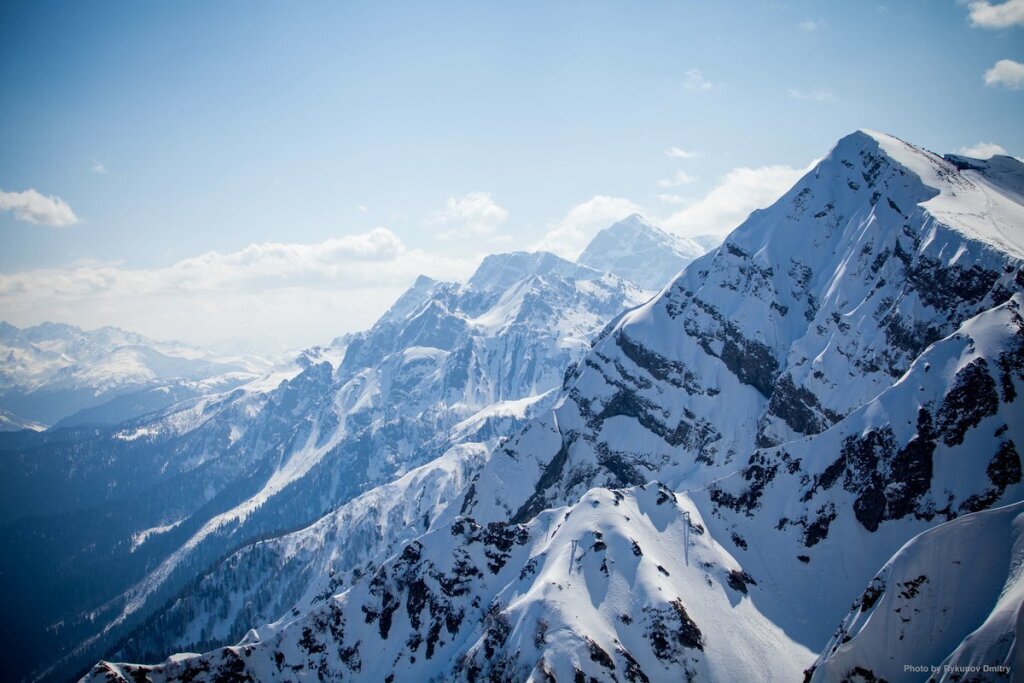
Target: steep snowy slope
[(262, 581), (948, 604), (637, 251), (843, 373), (626, 583)]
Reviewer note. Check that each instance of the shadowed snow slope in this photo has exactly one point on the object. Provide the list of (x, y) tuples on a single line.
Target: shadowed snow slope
[(952, 597)]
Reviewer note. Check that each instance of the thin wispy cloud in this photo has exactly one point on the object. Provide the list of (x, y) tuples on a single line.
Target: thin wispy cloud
[(32, 206), (362, 208), (982, 150), (678, 178), (680, 153), (1006, 73), (99, 167), (475, 213), (569, 236), (983, 14), (823, 96), (695, 81), (811, 25)]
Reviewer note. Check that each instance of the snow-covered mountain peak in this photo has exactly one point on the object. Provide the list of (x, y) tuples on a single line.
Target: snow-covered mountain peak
[(498, 272), (634, 224), (979, 198), (638, 251)]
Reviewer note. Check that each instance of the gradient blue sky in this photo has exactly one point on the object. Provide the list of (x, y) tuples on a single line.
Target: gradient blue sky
[(172, 130)]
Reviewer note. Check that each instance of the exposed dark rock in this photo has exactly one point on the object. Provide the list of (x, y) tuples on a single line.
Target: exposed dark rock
[(871, 594), (1003, 470), (859, 674), (869, 508), (671, 632), (633, 672), (972, 398), (659, 367), (911, 470), (739, 580), (598, 655), (759, 474), (912, 587), (817, 531), (552, 473), (799, 408)]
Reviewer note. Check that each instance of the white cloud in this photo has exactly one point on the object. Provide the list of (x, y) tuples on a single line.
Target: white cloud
[(34, 207), (362, 208), (472, 214), (679, 153), (982, 150), (810, 25), (824, 96), (678, 178), (984, 14), (741, 191), (1007, 73), (98, 167), (570, 236), (695, 81), (270, 293)]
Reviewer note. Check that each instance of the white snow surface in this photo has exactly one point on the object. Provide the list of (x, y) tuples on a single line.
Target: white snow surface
[(947, 605)]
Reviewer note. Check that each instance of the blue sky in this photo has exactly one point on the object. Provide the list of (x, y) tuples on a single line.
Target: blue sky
[(328, 152)]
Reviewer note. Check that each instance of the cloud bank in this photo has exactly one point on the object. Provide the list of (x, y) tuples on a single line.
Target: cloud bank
[(274, 294)]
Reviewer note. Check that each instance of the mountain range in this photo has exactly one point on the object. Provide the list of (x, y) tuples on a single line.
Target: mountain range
[(793, 456), (444, 374), (57, 374)]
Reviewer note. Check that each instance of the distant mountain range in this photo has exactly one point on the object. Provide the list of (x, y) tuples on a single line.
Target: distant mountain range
[(54, 372)]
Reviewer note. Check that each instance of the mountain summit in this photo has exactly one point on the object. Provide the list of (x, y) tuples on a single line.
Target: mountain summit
[(638, 251)]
